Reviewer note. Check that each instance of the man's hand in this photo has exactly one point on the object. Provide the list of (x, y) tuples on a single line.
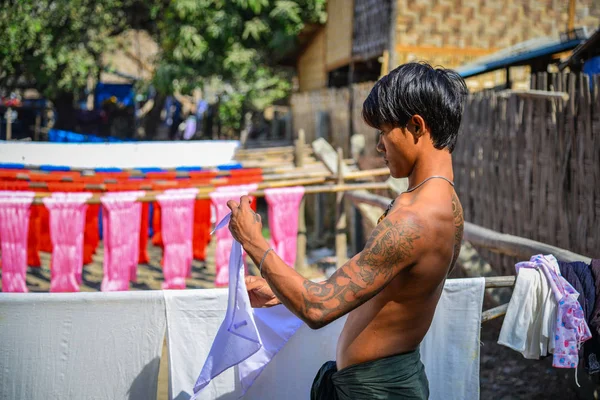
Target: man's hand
[(260, 293), (245, 225)]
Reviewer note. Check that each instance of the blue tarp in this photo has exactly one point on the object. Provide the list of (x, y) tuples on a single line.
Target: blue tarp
[(123, 92), (58, 136), (495, 62)]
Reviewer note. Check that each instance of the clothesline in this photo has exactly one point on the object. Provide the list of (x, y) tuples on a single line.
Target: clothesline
[(203, 194), (302, 173)]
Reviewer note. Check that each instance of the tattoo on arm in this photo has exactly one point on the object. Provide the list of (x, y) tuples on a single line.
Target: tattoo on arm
[(459, 222), (390, 248)]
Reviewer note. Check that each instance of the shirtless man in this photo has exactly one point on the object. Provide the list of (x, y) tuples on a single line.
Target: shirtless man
[(391, 288)]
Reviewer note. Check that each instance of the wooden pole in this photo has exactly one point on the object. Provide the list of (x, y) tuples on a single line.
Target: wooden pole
[(302, 239), (38, 125), (341, 240), (299, 159), (8, 124), (493, 313), (479, 236), (150, 196), (571, 23)]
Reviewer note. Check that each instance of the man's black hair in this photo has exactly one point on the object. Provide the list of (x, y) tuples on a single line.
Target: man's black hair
[(436, 94)]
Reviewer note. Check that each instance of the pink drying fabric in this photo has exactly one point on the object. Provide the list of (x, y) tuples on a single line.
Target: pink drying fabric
[(177, 220), (219, 199), (67, 223), (121, 217), (284, 204), (14, 228)]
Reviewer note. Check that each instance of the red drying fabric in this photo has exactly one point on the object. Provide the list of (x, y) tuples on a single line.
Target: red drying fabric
[(144, 259), (201, 228)]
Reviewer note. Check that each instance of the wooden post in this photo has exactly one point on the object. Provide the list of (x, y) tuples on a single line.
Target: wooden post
[(571, 20), (8, 124), (38, 124), (341, 245), (299, 151), (301, 241)]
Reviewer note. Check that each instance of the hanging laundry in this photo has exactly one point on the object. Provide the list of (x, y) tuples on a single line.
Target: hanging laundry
[(530, 320), (67, 222), (579, 275), (81, 345), (14, 224), (121, 215), (143, 257), (156, 225), (177, 218), (571, 328), (284, 205), (91, 236), (591, 348), (201, 228), (595, 319), (33, 239), (219, 199), (247, 338), (124, 206)]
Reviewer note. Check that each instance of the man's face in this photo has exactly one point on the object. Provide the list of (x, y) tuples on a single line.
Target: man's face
[(398, 148)]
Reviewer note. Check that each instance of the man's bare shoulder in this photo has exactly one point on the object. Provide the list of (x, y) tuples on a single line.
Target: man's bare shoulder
[(397, 240)]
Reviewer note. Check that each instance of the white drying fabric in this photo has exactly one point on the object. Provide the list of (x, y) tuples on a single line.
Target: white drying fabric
[(81, 345), (530, 320), (194, 318), (245, 338), (169, 154), (450, 350)]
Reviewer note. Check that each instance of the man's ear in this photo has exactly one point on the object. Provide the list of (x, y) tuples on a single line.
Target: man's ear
[(416, 126)]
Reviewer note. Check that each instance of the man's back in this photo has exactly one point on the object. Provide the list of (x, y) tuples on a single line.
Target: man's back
[(397, 318)]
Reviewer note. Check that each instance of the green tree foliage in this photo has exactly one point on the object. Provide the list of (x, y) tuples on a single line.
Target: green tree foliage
[(56, 45), (235, 41)]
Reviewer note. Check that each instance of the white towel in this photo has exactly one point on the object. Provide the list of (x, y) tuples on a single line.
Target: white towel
[(450, 350), (250, 338), (530, 319), (194, 318), (81, 345)]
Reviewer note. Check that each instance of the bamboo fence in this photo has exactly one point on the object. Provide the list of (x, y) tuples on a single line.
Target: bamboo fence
[(527, 164)]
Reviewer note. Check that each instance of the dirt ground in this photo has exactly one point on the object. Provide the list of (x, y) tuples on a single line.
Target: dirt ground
[(504, 373)]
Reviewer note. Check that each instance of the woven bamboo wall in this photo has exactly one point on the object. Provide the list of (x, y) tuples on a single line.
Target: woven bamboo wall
[(305, 107), (338, 32), (523, 166), (529, 167), (371, 27), (454, 32), (311, 64)]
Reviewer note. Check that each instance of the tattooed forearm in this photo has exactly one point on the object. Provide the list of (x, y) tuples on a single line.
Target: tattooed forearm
[(459, 222), (390, 247)]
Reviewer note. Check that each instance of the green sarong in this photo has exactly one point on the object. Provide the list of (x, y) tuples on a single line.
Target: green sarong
[(396, 377)]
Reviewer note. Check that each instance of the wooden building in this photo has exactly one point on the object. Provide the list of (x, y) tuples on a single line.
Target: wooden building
[(363, 38)]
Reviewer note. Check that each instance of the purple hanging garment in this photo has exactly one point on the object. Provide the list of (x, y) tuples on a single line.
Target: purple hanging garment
[(284, 204), (177, 221), (14, 228), (67, 223)]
